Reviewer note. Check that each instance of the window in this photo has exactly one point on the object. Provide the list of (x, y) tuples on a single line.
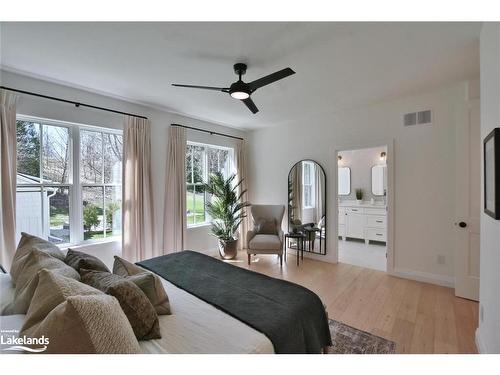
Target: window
[(201, 161), (68, 181), (308, 177)]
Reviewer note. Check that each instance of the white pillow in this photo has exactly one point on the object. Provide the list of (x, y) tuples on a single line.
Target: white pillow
[(7, 291)]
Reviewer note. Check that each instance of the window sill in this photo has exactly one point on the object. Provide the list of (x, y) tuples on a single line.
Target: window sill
[(66, 246), (194, 226)]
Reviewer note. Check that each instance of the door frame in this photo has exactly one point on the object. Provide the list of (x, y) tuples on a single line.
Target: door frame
[(390, 158)]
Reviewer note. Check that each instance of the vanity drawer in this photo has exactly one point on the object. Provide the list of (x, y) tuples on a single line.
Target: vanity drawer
[(354, 210), (375, 234), (375, 211), (373, 221)]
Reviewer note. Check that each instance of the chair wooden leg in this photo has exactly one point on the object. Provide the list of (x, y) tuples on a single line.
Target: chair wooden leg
[(281, 260), (249, 259)]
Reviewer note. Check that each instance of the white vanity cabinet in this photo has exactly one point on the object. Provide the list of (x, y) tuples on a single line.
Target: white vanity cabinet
[(367, 222)]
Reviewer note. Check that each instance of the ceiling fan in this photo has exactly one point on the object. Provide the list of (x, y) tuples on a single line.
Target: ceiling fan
[(241, 90)]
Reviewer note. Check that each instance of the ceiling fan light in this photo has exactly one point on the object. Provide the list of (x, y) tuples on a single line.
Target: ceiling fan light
[(240, 95)]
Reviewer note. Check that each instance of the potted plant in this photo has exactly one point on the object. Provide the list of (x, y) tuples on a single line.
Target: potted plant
[(226, 210), (359, 196)]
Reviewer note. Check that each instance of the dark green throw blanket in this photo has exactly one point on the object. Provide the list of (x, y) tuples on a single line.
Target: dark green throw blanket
[(291, 316)]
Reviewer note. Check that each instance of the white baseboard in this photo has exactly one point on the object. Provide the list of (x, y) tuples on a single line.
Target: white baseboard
[(479, 343), (424, 277)]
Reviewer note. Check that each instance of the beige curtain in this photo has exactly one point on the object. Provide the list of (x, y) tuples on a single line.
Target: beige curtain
[(319, 194), (241, 174), (297, 192), (138, 240), (7, 177), (174, 231)]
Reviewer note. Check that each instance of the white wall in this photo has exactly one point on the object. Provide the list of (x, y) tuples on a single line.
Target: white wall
[(488, 334), (197, 239), (361, 162), (424, 171)]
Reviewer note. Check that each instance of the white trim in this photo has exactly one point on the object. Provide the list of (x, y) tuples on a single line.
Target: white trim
[(481, 349), (425, 277)]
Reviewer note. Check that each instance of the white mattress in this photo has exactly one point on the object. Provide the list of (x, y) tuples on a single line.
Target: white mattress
[(197, 327), (194, 326)]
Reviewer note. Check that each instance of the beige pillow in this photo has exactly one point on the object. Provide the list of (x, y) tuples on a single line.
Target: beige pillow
[(147, 281), (27, 243), (77, 318), (27, 279), (136, 306)]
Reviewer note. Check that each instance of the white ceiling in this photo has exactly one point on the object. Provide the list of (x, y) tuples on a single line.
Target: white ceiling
[(338, 65)]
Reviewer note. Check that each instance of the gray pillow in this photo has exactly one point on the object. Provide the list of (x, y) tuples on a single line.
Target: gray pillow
[(149, 283), (135, 304), (265, 226), (79, 260)]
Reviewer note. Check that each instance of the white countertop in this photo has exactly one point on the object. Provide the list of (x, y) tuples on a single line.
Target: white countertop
[(364, 204)]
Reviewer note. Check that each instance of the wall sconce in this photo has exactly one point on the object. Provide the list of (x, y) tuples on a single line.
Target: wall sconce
[(339, 160), (383, 156)]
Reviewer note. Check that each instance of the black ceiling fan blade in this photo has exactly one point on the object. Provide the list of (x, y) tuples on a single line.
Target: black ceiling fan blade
[(264, 81), (251, 105), (223, 89)]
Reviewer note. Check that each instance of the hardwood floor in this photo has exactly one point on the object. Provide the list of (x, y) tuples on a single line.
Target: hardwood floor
[(419, 317)]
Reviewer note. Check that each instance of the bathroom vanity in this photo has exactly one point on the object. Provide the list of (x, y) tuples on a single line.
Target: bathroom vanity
[(362, 221)]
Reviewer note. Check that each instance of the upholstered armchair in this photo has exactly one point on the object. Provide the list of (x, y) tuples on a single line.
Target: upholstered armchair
[(266, 237)]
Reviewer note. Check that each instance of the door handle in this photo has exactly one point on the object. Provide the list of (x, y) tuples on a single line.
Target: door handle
[(462, 224)]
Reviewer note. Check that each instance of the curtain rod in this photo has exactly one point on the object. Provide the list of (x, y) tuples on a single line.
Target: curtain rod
[(207, 131), (76, 104)]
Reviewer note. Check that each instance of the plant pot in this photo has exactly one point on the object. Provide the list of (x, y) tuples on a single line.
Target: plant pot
[(228, 249), (359, 201)]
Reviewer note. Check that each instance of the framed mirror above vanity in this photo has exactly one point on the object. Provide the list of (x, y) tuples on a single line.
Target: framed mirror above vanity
[(307, 207), (344, 181), (379, 180)]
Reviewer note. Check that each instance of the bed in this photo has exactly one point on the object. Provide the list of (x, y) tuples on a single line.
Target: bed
[(221, 308), (194, 326)]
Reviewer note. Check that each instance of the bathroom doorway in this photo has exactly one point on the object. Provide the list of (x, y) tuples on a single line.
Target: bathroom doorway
[(362, 206)]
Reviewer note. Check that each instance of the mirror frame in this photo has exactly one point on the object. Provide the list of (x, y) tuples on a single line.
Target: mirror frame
[(350, 182), (371, 179), (322, 251)]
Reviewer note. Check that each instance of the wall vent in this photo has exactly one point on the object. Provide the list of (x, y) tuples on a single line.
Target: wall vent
[(418, 118)]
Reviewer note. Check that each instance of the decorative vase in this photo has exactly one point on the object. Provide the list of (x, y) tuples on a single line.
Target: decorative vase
[(228, 249)]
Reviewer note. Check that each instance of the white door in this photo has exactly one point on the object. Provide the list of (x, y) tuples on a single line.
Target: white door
[(468, 203)]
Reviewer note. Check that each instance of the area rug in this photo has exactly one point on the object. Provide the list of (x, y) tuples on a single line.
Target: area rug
[(349, 340)]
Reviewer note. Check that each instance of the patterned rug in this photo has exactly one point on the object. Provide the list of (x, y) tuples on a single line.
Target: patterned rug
[(349, 340)]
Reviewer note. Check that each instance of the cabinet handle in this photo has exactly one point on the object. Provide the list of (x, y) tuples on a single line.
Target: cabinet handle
[(379, 234), (379, 221), (354, 210)]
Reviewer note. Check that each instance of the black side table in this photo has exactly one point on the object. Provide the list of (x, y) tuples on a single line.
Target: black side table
[(311, 232), (300, 237)]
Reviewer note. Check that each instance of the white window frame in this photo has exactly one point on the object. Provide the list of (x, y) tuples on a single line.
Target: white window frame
[(230, 169), (74, 184), (310, 184)]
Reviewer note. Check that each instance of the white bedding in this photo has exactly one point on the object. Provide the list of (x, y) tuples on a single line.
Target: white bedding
[(194, 326)]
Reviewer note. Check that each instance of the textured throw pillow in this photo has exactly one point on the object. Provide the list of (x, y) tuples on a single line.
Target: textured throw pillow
[(265, 226), (27, 279), (136, 306), (148, 282), (79, 260), (77, 318), (27, 243)]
